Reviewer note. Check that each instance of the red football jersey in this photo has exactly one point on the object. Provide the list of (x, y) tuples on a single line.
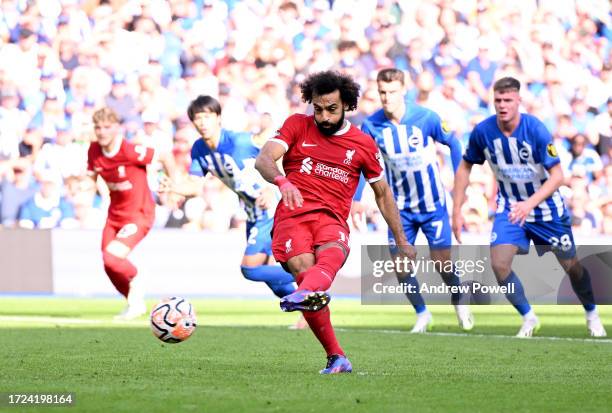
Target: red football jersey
[(125, 174), (326, 169)]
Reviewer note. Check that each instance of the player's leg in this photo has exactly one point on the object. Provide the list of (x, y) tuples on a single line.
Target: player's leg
[(581, 284), (438, 231), (409, 280), (120, 270), (557, 236), (254, 265), (314, 274), (319, 321), (255, 268), (292, 245), (507, 240)]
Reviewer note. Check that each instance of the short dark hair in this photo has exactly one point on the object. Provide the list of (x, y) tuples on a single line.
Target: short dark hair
[(506, 83), (203, 103), (390, 75), (323, 83)]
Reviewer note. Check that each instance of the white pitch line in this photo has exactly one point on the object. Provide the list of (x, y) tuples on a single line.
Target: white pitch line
[(81, 321), (65, 320), (44, 319), (550, 338)]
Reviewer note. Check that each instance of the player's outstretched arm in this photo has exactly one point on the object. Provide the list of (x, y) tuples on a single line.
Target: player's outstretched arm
[(169, 164), (190, 186), (266, 165), (521, 210), (388, 209), (462, 179)]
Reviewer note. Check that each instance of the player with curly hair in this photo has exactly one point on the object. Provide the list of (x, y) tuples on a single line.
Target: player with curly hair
[(323, 157)]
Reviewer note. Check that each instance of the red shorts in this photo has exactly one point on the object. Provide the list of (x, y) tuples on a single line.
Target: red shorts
[(304, 233), (129, 233)]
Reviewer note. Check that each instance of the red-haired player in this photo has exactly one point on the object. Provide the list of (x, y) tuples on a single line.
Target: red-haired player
[(123, 165)]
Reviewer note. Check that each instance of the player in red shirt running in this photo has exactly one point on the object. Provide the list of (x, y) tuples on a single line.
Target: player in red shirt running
[(323, 156), (123, 166)]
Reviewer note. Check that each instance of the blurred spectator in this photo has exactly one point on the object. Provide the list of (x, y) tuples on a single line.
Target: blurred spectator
[(17, 186), (584, 222), (603, 125), (87, 204), (585, 161), (47, 208), (606, 209), (63, 156), (481, 72), (148, 59), (121, 100), (32, 143), (13, 122)]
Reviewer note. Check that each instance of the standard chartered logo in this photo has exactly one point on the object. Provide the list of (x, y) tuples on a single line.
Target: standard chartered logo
[(306, 166), (332, 172), (324, 170)]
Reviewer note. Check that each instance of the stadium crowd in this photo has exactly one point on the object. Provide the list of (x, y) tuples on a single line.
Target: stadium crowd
[(147, 59)]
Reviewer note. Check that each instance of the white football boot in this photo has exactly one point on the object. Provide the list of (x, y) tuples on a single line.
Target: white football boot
[(594, 324), (136, 305), (464, 317), (423, 324), (530, 326)]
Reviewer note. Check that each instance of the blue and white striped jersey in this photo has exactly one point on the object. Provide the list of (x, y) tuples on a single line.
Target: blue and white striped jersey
[(234, 163), (409, 152), (520, 163)]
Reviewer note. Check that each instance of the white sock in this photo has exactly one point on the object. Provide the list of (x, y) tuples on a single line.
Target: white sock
[(529, 315), (591, 315), (423, 313)]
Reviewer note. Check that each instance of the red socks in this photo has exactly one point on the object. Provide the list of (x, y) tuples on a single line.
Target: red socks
[(320, 276), (120, 271), (320, 324)]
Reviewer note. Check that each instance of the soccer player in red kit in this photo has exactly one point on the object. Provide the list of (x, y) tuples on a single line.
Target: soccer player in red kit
[(122, 165), (323, 156)]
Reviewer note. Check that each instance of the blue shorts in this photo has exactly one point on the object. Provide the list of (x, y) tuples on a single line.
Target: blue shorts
[(555, 235), (258, 236), (435, 225)]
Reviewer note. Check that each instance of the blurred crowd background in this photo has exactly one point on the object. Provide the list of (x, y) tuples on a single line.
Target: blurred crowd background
[(146, 59)]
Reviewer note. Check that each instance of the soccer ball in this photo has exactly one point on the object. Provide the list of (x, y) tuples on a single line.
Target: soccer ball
[(173, 320)]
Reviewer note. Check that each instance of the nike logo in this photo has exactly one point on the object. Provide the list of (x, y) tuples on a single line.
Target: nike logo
[(304, 144)]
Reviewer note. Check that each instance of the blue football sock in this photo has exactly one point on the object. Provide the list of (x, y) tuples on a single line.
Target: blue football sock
[(279, 281), (281, 290), (452, 280), (583, 290), (267, 273), (415, 298), (516, 294)]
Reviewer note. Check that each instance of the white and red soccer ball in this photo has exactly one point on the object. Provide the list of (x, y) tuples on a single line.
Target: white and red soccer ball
[(173, 320)]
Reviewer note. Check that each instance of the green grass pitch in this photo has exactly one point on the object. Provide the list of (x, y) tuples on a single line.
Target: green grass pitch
[(242, 358)]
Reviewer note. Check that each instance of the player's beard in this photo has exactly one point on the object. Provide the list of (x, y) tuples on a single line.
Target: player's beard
[(328, 129)]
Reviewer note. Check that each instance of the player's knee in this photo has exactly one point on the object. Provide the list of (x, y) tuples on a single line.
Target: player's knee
[(247, 272), (111, 261), (501, 269), (572, 267), (440, 256), (300, 263), (334, 244)]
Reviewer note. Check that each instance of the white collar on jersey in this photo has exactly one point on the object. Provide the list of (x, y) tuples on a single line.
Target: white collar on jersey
[(344, 129), (115, 150)]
